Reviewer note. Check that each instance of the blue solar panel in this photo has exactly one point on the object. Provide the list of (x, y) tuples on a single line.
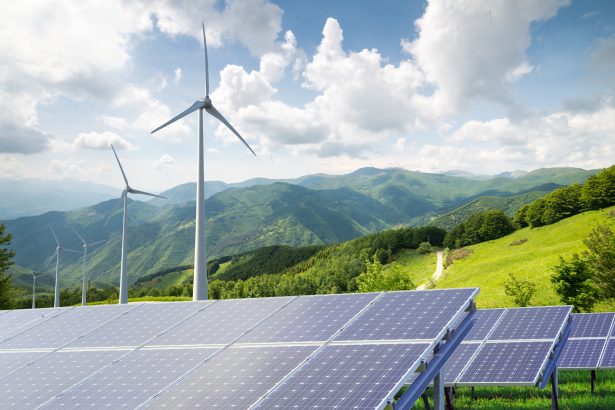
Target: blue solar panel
[(66, 327), (222, 322), (33, 385), (311, 318), (10, 361), (409, 315), (458, 361), (507, 363), (133, 379), (139, 325), (484, 320), (347, 376), (16, 321), (591, 324), (531, 323), (581, 354), (236, 378), (608, 360)]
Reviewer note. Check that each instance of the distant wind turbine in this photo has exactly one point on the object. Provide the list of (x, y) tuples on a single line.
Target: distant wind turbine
[(59, 248), (123, 264), (200, 256), (34, 277), (85, 256)]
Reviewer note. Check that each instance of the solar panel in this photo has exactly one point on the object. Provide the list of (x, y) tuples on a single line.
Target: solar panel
[(16, 321), (235, 378), (531, 323), (581, 354), (313, 318), (139, 325), (608, 358), (10, 361), (591, 324), (403, 315), (459, 360), (133, 379), (484, 321), (64, 328), (35, 384), (507, 363), (222, 322)]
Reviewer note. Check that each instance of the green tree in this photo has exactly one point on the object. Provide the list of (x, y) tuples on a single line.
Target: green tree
[(535, 212), (7, 293), (424, 247), (520, 219), (495, 225), (376, 278), (520, 290), (600, 257), (574, 285)]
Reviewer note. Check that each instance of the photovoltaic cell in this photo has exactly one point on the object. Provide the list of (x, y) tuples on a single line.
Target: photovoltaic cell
[(346, 376), (581, 354), (236, 378), (531, 323), (608, 360), (458, 361), (591, 324), (311, 318), (133, 379), (484, 320), (408, 315), (18, 320), (139, 325), (10, 361), (33, 385), (64, 328), (222, 322), (507, 363)]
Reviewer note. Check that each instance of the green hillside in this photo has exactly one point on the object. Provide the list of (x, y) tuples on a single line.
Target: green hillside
[(490, 262)]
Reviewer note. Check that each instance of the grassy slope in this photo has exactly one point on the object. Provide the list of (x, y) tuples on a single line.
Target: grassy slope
[(420, 267), (490, 263)]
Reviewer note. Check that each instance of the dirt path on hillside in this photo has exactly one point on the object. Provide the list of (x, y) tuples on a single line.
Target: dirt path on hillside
[(437, 273)]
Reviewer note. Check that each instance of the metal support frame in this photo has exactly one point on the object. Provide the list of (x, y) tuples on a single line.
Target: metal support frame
[(593, 378), (442, 353), (449, 395), (438, 391), (557, 352), (554, 390)]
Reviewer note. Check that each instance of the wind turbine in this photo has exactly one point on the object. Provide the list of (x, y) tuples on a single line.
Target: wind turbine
[(85, 256), (123, 264), (59, 248), (34, 276), (199, 291)]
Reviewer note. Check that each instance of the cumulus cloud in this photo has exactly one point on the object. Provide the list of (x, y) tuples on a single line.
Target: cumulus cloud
[(164, 161), (178, 75), (101, 141), (17, 138)]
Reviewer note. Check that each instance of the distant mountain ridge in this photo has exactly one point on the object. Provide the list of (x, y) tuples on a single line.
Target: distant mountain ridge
[(315, 209)]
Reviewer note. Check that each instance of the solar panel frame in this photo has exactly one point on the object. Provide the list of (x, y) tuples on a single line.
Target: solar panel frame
[(514, 317), (590, 347), (14, 323), (585, 325)]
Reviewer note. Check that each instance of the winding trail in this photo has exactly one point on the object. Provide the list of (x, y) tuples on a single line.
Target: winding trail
[(437, 273)]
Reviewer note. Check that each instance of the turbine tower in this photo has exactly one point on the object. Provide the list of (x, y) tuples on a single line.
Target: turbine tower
[(123, 263), (86, 245), (59, 248), (199, 291), (34, 277)]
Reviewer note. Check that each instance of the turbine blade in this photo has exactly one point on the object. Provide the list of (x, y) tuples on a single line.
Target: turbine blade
[(54, 235), (206, 62), (77, 233), (115, 207), (120, 164), (193, 107), (71, 250), (215, 113), (135, 191), (97, 243)]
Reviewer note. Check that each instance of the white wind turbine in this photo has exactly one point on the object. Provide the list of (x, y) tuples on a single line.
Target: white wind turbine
[(59, 248), (86, 245), (123, 263), (200, 256), (34, 277)]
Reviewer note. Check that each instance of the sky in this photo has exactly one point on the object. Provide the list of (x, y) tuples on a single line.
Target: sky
[(314, 86)]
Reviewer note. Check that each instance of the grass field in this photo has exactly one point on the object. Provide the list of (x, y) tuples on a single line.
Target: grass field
[(574, 389), (420, 266), (490, 262)]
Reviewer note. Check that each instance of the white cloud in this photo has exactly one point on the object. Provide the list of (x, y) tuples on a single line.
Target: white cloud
[(400, 144), (164, 161), (178, 75), (101, 141)]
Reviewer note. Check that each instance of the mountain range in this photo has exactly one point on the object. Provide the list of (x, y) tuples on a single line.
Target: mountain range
[(314, 209)]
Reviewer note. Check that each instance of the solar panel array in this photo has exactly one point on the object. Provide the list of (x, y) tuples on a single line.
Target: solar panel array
[(590, 345), (351, 350), (507, 346)]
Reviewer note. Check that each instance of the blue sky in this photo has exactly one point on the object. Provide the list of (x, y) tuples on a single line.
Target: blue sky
[(314, 86)]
